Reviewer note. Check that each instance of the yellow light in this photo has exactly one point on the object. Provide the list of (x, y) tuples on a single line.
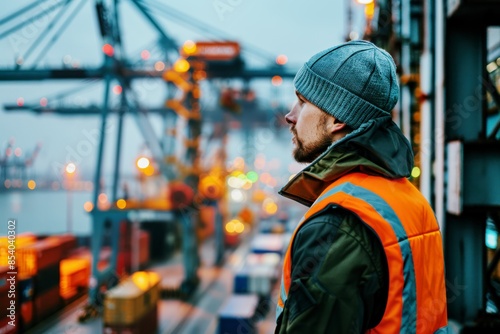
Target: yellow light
[(31, 184), (189, 47), (121, 204), (239, 227), (70, 168), (230, 227), (142, 163), (270, 208), (149, 170), (364, 2), (88, 206), (370, 9), (181, 65), (415, 172), (141, 280)]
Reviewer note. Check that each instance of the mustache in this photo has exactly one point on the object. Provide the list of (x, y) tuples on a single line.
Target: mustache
[(293, 131)]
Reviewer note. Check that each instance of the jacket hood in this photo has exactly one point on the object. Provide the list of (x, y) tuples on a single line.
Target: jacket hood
[(377, 147)]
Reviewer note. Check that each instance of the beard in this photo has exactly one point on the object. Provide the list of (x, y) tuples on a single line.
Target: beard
[(307, 153)]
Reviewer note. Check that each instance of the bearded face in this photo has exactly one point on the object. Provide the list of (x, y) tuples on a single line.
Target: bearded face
[(309, 148)]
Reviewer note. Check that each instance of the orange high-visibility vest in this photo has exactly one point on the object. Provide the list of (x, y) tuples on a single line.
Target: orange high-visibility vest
[(407, 228)]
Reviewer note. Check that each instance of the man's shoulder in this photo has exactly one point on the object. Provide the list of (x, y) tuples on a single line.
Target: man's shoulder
[(336, 218), (336, 228)]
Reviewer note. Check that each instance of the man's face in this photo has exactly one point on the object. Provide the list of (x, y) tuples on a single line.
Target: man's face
[(309, 128)]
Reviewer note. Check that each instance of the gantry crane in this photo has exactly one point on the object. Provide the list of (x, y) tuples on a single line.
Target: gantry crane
[(181, 75)]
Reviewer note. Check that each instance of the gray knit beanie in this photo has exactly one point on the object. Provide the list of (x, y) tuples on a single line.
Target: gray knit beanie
[(354, 82)]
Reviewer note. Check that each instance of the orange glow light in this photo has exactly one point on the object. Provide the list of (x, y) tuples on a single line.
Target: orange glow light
[(277, 80), (117, 89), (108, 50), (31, 184), (88, 206), (121, 204), (181, 65), (189, 48), (281, 60), (103, 198), (159, 66)]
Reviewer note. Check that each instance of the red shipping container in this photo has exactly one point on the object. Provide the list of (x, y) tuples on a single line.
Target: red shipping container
[(68, 242), (46, 304), (26, 315)]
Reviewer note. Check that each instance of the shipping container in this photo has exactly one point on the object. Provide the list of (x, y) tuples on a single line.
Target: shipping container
[(132, 298), (147, 324), (37, 256), (237, 314)]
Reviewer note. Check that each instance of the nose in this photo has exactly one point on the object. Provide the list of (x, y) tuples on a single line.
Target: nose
[(291, 117)]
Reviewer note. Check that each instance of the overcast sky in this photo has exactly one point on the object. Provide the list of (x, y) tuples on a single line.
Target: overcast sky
[(295, 28)]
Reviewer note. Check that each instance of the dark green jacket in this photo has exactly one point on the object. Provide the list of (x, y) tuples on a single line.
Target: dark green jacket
[(339, 269)]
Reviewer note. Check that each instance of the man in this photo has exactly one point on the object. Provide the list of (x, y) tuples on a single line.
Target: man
[(367, 257)]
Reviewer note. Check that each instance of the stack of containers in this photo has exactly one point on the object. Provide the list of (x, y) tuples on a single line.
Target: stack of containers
[(9, 301), (68, 242), (40, 262), (258, 274), (24, 289), (268, 243), (132, 306), (124, 260), (75, 275)]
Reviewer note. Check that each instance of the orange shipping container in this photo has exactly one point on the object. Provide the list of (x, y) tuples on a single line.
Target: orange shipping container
[(41, 254), (21, 240)]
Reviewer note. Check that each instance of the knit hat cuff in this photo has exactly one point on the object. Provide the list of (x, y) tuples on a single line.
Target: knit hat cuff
[(335, 100)]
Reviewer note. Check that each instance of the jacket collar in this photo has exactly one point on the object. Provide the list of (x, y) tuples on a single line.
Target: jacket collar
[(377, 147)]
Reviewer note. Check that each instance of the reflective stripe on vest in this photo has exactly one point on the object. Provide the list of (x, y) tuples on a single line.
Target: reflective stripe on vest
[(406, 226)]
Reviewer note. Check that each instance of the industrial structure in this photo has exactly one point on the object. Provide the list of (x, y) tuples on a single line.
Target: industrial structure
[(184, 186), (448, 57), (447, 54)]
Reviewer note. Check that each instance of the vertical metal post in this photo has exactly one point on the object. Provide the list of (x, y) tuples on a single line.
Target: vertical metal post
[(439, 114), (465, 52), (191, 216), (100, 154), (426, 70), (405, 66), (219, 234), (116, 172)]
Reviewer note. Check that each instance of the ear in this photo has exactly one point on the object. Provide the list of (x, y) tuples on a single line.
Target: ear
[(335, 126)]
